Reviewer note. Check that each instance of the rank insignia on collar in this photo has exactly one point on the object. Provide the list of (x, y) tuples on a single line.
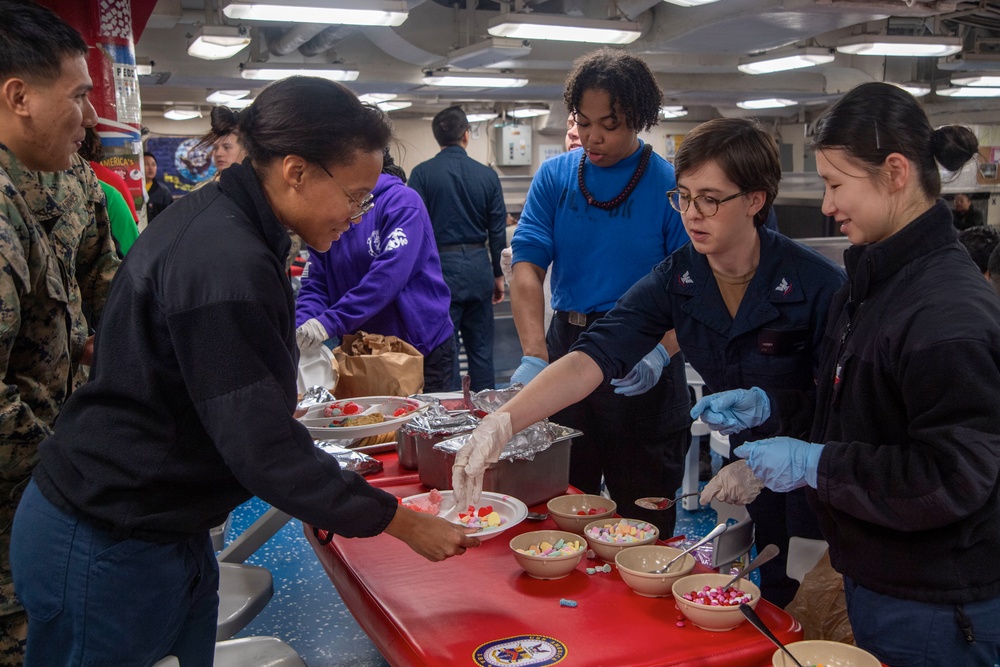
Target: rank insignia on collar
[(685, 279)]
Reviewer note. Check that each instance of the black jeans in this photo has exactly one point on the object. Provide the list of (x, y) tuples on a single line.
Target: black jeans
[(438, 370)]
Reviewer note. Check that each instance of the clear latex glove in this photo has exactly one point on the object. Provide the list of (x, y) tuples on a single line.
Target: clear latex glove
[(733, 411), (506, 260), (644, 375), (482, 448), (735, 484), (529, 368), (310, 334), (784, 464)]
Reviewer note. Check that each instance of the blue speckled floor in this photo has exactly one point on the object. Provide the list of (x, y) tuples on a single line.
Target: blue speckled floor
[(306, 611)]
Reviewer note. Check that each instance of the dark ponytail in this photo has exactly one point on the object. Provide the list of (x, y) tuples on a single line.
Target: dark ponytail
[(224, 122), (389, 165)]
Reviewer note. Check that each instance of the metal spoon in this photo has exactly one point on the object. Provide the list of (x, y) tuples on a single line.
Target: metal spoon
[(718, 530), (656, 503), (759, 624), (766, 554)]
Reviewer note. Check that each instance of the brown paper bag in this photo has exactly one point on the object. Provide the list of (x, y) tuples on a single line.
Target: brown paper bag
[(820, 606), (377, 365)]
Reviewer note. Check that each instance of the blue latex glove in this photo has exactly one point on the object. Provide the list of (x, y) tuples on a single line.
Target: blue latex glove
[(529, 368), (783, 464), (733, 411), (644, 374)]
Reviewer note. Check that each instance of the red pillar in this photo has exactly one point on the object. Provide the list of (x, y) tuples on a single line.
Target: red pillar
[(107, 28)]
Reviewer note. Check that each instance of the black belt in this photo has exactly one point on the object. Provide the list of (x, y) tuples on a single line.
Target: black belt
[(461, 247), (578, 319)]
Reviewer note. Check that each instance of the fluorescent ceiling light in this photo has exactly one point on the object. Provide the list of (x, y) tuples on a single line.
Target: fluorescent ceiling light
[(474, 81), (528, 113), (240, 104), (900, 45), (181, 114), (226, 96), (143, 66), (781, 62), (564, 28), (218, 42), (769, 103), (987, 80), (488, 52), (375, 98), (393, 106), (274, 71), (673, 111), (349, 12), (915, 89), (690, 3), (479, 117), (969, 91)]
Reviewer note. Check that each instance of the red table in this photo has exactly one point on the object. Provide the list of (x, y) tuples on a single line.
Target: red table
[(427, 614)]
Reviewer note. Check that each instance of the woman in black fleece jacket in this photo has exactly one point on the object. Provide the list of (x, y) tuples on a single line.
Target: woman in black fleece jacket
[(188, 410), (905, 482)]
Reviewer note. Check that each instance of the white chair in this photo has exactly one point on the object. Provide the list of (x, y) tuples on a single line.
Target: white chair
[(169, 661), (256, 652), (220, 533), (698, 429), (803, 554), (719, 444)]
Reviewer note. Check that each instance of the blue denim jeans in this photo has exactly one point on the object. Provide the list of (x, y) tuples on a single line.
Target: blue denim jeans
[(904, 633), (96, 601)]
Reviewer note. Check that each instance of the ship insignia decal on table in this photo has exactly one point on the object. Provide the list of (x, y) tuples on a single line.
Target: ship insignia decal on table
[(521, 651)]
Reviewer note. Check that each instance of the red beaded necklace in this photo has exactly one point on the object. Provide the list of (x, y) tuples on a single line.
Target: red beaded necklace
[(633, 182)]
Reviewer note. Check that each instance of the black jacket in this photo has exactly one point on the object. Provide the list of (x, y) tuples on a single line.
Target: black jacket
[(188, 410), (909, 408), (159, 199)]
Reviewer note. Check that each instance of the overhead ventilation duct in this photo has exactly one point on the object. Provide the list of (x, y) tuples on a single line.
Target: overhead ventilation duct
[(295, 38), (325, 40)]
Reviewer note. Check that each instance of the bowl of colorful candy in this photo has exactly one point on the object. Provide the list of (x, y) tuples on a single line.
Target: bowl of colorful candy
[(493, 514), (636, 566), (609, 536), (702, 600), (574, 511), (548, 554), (818, 653)]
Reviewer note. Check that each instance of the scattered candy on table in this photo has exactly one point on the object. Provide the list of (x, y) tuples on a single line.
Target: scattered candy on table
[(622, 532), (717, 597), (548, 550), (600, 568), (567, 603)]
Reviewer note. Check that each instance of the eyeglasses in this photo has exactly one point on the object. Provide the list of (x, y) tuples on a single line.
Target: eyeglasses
[(705, 205), (363, 206)]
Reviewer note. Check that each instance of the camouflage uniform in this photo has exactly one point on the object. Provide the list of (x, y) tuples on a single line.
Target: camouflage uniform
[(57, 250)]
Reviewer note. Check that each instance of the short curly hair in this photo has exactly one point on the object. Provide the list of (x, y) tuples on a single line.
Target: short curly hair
[(626, 79)]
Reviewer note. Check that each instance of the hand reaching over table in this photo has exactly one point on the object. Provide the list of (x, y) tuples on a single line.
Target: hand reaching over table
[(432, 537)]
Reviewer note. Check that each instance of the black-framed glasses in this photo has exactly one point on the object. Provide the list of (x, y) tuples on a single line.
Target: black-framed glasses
[(705, 205), (363, 206)]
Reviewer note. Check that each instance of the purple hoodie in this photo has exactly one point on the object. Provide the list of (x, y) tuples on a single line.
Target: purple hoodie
[(383, 276)]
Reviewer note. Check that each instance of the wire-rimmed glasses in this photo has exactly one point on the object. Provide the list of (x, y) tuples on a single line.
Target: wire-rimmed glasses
[(363, 206), (705, 205)]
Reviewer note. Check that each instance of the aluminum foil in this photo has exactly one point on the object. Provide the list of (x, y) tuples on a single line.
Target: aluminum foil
[(350, 459), (314, 396), (436, 420)]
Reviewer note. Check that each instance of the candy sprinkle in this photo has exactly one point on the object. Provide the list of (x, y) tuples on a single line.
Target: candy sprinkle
[(567, 603)]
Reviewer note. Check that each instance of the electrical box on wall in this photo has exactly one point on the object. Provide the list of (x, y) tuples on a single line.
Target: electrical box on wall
[(514, 146)]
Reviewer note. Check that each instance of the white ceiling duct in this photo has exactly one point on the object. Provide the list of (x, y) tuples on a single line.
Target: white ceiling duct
[(325, 40), (295, 38)]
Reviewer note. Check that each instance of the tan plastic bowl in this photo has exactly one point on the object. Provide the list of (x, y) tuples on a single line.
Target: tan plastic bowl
[(608, 550), (546, 567), (818, 652), (715, 619), (636, 564), (564, 510)]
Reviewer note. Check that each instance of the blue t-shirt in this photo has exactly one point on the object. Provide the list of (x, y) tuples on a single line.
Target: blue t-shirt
[(597, 255)]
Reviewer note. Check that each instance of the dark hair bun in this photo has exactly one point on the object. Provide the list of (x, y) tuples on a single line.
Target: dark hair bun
[(224, 121), (953, 146)]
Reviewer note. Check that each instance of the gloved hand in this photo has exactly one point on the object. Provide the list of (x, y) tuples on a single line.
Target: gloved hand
[(482, 448), (529, 368), (310, 334), (733, 411), (506, 260), (782, 463), (735, 484), (644, 374)]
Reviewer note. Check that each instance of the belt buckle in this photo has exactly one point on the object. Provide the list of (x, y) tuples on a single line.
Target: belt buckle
[(577, 319)]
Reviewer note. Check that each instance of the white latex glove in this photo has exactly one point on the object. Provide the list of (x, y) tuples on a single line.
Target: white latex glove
[(310, 334), (735, 484), (482, 448), (506, 260)]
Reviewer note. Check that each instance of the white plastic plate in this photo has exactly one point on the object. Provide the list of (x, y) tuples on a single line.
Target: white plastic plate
[(506, 506), (319, 428), (315, 369)]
